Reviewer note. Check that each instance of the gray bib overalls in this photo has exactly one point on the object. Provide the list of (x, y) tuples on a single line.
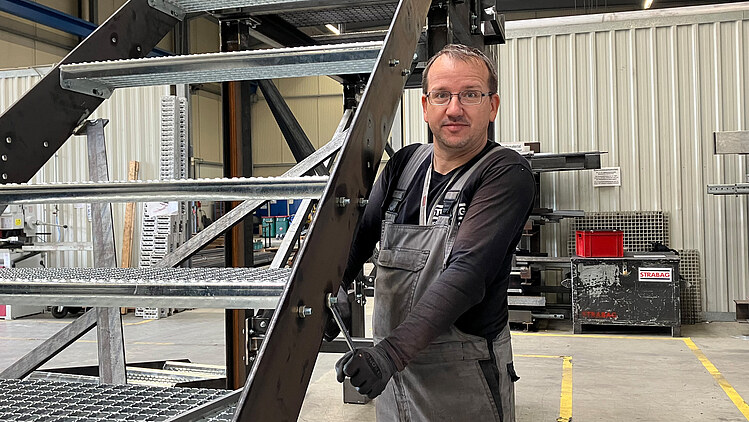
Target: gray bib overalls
[(446, 381)]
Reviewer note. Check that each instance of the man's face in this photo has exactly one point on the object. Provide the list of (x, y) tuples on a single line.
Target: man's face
[(457, 127)]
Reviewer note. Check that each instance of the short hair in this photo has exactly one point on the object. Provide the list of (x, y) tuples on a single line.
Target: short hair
[(466, 54)]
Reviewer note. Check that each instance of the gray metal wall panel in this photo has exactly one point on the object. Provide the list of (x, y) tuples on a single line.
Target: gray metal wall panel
[(133, 133), (649, 88)]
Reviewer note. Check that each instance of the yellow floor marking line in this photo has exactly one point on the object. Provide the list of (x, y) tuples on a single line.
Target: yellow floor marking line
[(152, 343), (565, 402), (145, 321), (565, 399), (596, 336), (720, 379)]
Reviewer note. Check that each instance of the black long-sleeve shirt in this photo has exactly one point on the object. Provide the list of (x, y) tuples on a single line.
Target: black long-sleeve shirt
[(472, 291)]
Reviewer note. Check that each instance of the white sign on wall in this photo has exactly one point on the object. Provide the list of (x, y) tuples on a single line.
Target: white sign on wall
[(609, 176)]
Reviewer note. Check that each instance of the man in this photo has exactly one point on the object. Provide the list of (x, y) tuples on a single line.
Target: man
[(448, 217)]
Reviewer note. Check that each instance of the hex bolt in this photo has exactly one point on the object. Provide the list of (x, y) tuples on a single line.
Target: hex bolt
[(406, 72), (263, 324), (393, 62), (342, 202), (304, 311), (362, 202)]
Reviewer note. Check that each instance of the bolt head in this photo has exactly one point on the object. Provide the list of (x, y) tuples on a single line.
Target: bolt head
[(45, 144), (8, 140), (4, 157), (5, 176)]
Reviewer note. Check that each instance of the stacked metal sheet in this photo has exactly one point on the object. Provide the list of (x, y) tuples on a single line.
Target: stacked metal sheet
[(161, 234)]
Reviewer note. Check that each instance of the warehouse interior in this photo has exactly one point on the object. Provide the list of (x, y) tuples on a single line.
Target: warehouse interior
[(181, 182)]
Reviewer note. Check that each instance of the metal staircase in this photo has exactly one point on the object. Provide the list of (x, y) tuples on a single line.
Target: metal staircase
[(112, 57)]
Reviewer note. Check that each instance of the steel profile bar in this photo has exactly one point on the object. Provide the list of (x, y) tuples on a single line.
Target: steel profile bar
[(545, 162), (279, 379), (130, 32), (736, 142), (50, 347), (235, 189), (730, 189), (100, 78), (233, 217)]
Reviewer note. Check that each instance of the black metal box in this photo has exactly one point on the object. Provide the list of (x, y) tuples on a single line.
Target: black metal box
[(636, 290)]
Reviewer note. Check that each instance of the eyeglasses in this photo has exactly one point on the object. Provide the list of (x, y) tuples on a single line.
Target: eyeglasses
[(467, 97)]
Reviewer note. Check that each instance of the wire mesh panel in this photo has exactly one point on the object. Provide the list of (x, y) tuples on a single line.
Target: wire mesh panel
[(641, 228), (63, 401), (691, 288)]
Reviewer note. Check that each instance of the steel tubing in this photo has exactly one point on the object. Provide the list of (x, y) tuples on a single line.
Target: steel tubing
[(236, 189)]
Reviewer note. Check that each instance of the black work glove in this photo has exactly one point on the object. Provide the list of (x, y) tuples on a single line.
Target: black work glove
[(370, 369), (344, 308)]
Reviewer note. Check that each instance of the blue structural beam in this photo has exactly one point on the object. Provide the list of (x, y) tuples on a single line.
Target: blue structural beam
[(56, 19)]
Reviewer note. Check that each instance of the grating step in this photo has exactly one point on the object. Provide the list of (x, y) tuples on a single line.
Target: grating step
[(235, 288), (51, 401), (100, 78), (295, 11), (235, 189)]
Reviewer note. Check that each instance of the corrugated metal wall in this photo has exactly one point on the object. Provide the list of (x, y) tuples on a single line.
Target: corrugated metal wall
[(132, 134), (650, 88)]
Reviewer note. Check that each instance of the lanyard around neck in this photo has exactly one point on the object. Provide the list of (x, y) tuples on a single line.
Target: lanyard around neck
[(423, 214)]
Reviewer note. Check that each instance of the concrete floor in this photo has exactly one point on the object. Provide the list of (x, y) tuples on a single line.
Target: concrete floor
[(632, 376)]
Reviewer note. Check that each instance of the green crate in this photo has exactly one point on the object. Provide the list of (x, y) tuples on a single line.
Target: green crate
[(269, 227), (282, 225)]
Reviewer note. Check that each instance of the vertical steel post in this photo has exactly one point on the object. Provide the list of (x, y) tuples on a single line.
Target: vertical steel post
[(109, 321), (237, 162)]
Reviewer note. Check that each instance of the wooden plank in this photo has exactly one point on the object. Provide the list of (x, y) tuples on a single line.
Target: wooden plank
[(127, 238)]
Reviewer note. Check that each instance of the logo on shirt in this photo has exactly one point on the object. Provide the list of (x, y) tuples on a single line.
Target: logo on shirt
[(462, 207)]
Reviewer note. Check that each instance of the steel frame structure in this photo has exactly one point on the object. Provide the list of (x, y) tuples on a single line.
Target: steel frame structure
[(279, 378)]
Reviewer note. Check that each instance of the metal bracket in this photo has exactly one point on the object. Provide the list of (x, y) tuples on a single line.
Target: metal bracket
[(88, 87), (168, 8)]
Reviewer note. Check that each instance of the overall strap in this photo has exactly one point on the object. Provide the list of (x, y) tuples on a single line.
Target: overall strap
[(450, 210), (422, 153), (452, 194)]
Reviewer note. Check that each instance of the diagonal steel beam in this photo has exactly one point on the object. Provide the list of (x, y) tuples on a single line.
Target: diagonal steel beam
[(292, 131), (233, 217), (130, 32), (279, 379), (51, 347)]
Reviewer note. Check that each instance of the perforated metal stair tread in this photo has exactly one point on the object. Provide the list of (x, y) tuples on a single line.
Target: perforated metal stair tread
[(241, 288), (51, 401), (302, 12), (100, 78)]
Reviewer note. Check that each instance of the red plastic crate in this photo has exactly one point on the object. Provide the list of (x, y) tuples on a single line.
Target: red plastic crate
[(599, 244)]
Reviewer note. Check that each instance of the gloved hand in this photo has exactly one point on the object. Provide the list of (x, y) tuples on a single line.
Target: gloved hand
[(370, 369), (344, 308)]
